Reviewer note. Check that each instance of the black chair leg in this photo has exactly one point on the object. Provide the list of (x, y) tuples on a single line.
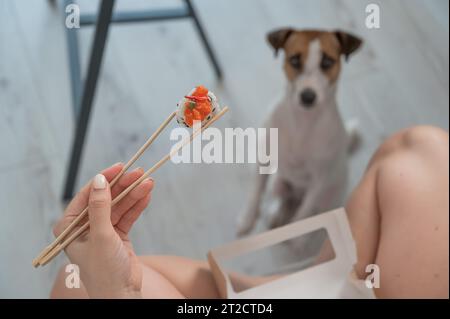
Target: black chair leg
[(74, 63), (90, 84), (208, 48)]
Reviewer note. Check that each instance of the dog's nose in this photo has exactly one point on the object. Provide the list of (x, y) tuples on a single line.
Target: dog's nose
[(307, 97)]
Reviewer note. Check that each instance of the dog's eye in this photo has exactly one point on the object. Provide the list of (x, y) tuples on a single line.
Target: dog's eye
[(295, 62), (327, 62)]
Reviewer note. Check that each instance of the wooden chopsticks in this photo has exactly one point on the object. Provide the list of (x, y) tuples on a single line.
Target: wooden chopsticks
[(52, 250)]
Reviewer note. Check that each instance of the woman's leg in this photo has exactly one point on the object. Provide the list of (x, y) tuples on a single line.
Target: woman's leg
[(154, 286), (399, 215), (192, 278)]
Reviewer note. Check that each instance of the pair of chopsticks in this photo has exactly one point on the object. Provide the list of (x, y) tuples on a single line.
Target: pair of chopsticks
[(67, 236)]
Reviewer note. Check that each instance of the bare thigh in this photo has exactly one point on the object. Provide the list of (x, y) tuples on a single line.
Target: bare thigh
[(192, 278), (154, 284)]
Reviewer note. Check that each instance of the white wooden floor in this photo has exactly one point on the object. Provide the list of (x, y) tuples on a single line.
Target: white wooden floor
[(400, 78)]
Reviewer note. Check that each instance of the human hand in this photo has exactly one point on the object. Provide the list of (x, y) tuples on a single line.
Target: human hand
[(109, 268)]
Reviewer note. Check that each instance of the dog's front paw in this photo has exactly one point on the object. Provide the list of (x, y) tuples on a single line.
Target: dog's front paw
[(244, 226), (354, 136), (277, 220)]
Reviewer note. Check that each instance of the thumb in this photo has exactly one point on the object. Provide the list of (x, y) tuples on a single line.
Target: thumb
[(100, 206)]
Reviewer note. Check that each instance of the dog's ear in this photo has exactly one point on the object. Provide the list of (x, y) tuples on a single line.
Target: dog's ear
[(277, 38), (349, 43)]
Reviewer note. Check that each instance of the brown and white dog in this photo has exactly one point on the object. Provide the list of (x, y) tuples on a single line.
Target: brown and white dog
[(313, 141)]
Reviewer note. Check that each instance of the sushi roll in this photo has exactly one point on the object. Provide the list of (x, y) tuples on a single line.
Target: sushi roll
[(199, 105)]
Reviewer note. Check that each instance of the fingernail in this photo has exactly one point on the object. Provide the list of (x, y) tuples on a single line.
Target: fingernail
[(117, 164), (99, 182)]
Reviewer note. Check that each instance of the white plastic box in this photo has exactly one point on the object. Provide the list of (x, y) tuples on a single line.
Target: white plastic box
[(332, 279)]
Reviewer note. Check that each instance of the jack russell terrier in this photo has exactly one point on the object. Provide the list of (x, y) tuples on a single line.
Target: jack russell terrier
[(313, 141)]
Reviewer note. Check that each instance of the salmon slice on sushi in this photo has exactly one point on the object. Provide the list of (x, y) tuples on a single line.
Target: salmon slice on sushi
[(199, 105)]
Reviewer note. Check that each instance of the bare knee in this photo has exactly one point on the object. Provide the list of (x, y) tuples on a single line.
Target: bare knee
[(427, 141), (412, 158)]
